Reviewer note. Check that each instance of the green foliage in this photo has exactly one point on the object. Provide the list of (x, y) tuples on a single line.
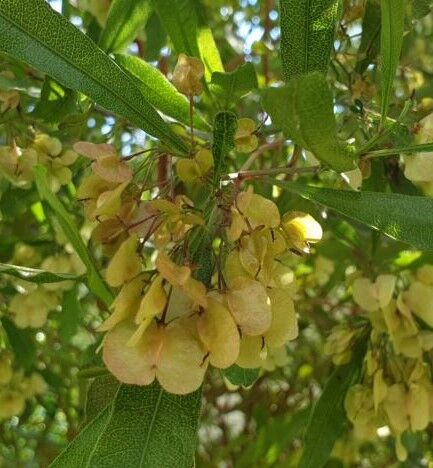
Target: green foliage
[(303, 109), (307, 35), (94, 280), (34, 275), (139, 426), (241, 376), (233, 85), (401, 217), (223, 140), (125, 19), (21, 342), (39, 36), (158, 90), (391, 40), (328, 415)]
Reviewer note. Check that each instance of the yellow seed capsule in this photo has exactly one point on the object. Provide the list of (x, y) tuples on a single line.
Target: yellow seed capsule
[(125, 265), (219, 334), (153, 302), (301, 230), (245, 140), (187, 75)]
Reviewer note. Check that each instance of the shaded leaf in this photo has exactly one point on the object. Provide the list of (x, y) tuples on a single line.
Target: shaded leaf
[(233, 85), (70, 315), (303, 109), (34, 275), (140, 427), (94, 280), (31, 31), (370, 38), (328, 415), (307, 35), (21, 342), (125, 19), (241, 376), (391, 40), (156, 38), (405, 218), (55, 102)]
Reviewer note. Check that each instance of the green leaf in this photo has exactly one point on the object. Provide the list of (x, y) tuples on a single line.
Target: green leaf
[(188, 31), (391, 40), (225, 126), (307, 35), (409, 149), (21, 342), (34, 275), (31, 31), (303, 109), (140, 427), (70, 315), (125, 19), (158, 90), (101, 392), (156, 38), (233, 85), (404, 218), (94, 280), (370, 38), (56, 102), (328, 415), (241, 376)]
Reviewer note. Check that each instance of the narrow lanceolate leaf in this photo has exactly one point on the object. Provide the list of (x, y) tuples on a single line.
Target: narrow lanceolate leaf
[(233, 85), (303, 109), (34, 275), (189, 32), (370, 38), (225, 126), (21, 342), (94, 280), (307, 35), (158, 90), (140, 427), (31, 31), (239, 376), (125, 19), (391, 39), (328, 415), (405, 218)]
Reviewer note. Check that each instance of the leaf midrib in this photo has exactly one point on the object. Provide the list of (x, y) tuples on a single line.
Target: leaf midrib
[(65, 59), (151, 425)]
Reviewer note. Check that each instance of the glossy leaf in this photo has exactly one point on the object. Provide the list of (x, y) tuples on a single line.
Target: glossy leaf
[(391, 40), (303, 109), (233, 85), (31, 31), (239, 376), (94, 279), (307, 35), (405, 218), (34, 275), (125, 19), (138, 427), (158, 90), (328, 415)]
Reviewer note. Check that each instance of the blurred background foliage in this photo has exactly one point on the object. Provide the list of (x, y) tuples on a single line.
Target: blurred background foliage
[(240, 427)]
